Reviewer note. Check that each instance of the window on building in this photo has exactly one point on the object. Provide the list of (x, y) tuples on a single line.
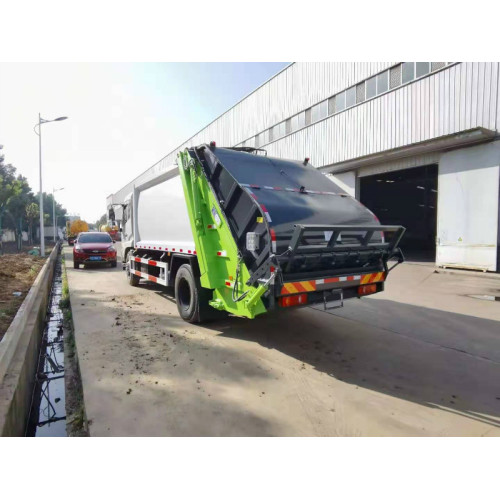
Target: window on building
[(422, 68), (340, 102), (360, 92), (437, 65), (371, 87), (298, 121), (350, 97), (308, 116), (408, 73), (331, 105), (319, 111), (262, 138), (383, 82), (279, 131), (395, 77)]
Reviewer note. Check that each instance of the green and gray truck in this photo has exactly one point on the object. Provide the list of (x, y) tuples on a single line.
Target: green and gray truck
[(232, 230)]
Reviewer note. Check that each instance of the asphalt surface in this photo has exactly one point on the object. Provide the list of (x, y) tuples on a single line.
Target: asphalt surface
[(420, 359)]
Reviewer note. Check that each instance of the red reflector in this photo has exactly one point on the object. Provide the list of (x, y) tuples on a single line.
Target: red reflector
[(293, 300), (367, 289), (272, 269), (273, 234)]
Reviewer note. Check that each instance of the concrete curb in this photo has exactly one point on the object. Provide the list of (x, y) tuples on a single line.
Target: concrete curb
[(471, 274), (19, 353)]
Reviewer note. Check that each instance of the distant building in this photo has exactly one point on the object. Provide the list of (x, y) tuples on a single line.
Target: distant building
[(417, 142)]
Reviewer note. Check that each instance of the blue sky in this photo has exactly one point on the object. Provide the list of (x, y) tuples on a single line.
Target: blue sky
[(122, 119)]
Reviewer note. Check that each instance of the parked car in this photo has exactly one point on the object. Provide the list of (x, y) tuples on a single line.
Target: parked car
[(94, 248)]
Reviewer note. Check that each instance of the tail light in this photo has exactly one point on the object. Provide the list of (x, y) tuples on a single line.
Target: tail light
[(293, 300), (367, 289)]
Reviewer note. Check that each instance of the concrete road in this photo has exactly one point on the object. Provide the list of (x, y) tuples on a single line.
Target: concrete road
[(421, 359)]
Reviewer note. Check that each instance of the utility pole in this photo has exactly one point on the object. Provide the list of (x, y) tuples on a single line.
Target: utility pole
[(41, 121)]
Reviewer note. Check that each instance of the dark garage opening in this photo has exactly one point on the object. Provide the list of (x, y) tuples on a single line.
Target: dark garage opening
[(407, 198)]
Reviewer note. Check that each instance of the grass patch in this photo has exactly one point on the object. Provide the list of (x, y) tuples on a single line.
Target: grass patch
[(76, 420)]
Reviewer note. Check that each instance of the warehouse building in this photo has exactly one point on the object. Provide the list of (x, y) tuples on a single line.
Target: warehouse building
[(416, 142)]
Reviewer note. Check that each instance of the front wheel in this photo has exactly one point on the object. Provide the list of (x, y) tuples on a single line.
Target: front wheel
[(113, 263), (76, 265), (133, 279)]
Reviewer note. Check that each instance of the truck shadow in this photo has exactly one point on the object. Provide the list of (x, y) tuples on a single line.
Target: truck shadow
[(426, 356)]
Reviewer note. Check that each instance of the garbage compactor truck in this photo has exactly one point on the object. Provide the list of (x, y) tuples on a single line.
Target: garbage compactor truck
[(235, 231)]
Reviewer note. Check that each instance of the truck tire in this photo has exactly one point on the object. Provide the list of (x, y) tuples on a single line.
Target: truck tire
[(192, 299), (133, 279), (187, 294)]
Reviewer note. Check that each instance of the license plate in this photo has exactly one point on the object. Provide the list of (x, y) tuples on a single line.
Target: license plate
[(95, 258)]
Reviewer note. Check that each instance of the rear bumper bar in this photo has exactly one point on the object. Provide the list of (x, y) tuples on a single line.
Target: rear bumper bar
[(293, 287)]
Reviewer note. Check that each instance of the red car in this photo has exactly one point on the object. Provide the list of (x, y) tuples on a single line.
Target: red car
[(94, 248)]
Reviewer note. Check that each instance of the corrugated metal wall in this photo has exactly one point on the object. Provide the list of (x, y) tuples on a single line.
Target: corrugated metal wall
[(461, 97)]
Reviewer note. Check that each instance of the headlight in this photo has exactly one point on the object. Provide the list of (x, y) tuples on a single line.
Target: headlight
[(78, 248), (111, 249)]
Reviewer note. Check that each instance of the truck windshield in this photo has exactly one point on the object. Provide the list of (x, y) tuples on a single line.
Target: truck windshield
[(95, 238)]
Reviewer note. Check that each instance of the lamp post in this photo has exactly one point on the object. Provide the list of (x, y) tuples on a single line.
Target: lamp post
[(54, 210), (41, 121)]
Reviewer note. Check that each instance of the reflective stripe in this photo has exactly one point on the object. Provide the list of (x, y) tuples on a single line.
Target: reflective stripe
[(323, 283), (298, 287)]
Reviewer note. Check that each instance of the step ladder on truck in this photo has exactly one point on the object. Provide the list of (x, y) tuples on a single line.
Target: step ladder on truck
[(235, 231)]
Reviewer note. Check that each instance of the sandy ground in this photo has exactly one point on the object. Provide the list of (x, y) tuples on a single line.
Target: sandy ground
[(421, 359)]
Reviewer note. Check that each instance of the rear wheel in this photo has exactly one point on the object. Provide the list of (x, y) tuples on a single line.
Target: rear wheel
[(192, 299)]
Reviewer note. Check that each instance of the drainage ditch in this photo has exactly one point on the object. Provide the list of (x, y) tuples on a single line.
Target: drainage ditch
[(48, 413), (57, 407)]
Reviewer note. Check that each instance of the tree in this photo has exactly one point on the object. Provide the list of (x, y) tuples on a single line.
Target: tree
[(79, 226), (101, 221), (16, 209), (9, 188), (32, 214), (48, 201)]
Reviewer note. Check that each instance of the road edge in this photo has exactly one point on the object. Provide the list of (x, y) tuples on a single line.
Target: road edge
[(19, 351)]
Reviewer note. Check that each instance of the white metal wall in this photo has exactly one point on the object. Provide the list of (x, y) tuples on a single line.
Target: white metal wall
[(467, 232), (458, 98)]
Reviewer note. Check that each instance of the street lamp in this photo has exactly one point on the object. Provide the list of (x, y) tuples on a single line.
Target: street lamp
[(54, 210), (41, 121)]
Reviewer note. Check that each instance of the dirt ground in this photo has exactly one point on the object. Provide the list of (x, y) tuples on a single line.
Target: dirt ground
[(17, 274)]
